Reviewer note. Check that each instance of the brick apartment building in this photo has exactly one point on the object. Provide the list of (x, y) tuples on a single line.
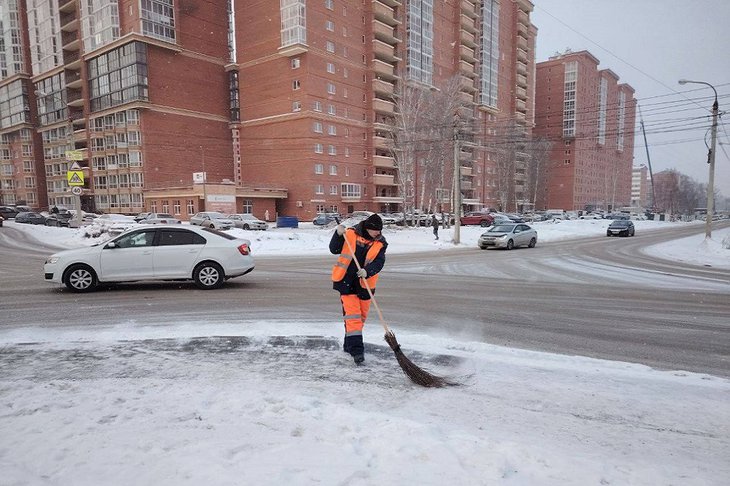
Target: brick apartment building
[(246, 106), (589, 116)]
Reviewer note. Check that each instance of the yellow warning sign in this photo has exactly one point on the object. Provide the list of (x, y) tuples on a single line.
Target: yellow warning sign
[(75, 178)]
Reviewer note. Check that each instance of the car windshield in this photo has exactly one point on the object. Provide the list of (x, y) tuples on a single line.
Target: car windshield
[(164, 215), (620, 222), (502, 228), (217, 215)]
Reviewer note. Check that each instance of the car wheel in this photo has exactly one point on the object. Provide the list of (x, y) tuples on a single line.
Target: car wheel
[(245, 226), (533, 242), (80, 278), (484, 224), (208, 275), (510, 244), (482, 247)]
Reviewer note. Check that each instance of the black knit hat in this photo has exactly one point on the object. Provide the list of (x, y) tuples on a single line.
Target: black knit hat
[(373, 222)]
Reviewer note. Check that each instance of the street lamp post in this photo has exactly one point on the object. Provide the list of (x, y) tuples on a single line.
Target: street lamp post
[(710, 159)]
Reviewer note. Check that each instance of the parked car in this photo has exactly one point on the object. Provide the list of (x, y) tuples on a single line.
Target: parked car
[(1, 220), (58, 220), (323, 219), (159, 252), (478, 218), (30, 217), (508, 235), (621, 227), (113, 224), (158, 218), (515, 218), (247, 222), (8, 212), (140, 216), (501, 219), (212, 219)]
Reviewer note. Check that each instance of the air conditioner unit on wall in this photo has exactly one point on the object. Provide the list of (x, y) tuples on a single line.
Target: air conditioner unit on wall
[(300, 204)]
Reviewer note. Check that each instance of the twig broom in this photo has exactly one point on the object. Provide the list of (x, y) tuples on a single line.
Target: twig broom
[(417, 375)]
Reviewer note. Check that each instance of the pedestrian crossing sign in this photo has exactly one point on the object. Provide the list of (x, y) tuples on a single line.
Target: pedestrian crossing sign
[(75, 178)]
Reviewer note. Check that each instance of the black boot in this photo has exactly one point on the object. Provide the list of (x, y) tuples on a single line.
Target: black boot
[(354, 346)]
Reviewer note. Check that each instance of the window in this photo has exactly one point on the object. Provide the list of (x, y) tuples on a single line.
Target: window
[(329, 25), (317, 106), (165, 206), (332, 150), (330, 68), (248, 206), (319, 189), (331, 88), (319, 168), (317, 127), (118, 82), (333, 190), (295, 84), (176, 207), (318, 148), (295, 63), (190, 207), (296, 106), (333, 170), (332, 110), (180, 237), (330, 46), (136, 239), (293, 22), (135, 159), (489, 84), (329, 4), (158, 19), (331, 130), (350, 190), (419, 49)]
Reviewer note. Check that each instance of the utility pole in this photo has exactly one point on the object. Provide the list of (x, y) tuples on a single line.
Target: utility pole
[(648, 160), (457, 185), (710, 160), (205, 179)]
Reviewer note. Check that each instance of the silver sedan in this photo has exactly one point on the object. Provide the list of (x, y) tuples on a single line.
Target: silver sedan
[(508, 236)]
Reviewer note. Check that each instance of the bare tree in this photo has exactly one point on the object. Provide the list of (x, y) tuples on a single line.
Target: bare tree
[(536, 171)]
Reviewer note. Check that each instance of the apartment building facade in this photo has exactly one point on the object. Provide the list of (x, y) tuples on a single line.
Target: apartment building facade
[(251, 106), (640, 187), (589, 116)]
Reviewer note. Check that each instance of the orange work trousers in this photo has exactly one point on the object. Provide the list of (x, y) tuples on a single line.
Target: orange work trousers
[(355, 312)]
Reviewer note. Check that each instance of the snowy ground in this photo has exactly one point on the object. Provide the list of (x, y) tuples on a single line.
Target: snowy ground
[(272, 403)]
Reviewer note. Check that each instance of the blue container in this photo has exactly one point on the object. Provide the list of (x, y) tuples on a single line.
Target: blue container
[(287, 222)]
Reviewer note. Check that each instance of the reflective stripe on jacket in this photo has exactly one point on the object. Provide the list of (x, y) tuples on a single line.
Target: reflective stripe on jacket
[(353, 240)]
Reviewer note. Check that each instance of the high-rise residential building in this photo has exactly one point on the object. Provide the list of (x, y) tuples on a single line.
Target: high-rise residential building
[(640, 190), (589, 116), (281, 106)]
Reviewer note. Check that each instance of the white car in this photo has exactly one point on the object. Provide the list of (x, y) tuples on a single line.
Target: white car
[(212, 219), (159, 218), (508, 235), (247, 222), (154, 252)]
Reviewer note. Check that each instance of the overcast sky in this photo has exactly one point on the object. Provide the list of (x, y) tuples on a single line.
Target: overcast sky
[(651, 44)]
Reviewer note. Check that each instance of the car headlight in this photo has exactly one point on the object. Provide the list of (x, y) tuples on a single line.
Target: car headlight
[(53, 259)]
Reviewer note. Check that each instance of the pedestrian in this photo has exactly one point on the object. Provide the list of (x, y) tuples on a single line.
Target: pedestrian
[(369, 246), (266, 215), (435, 224)]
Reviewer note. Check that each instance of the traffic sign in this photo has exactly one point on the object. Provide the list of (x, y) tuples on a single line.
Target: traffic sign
[(74, 166), (76, 190), (74, 155), (75, 178)]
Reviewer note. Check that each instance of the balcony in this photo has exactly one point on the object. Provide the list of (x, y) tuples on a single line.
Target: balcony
[(521, 106), (384, 32), (468, 24), (79, 135), (522, 55), (384, 51), (74, 98), (382, 143), (468, 39), (521, 68), (468, 8), (383, 106), (384, 13), (69, 22), (522, 81), (466, 97), (384, 180), (383, 87), (467, 69), (384, 70), (70, 40), (383, 161), (521, 40), (466, 84), (467, 171), (293, 49), (390, 3), (66, 6), (467, 54), (521, 93), (73, 78)]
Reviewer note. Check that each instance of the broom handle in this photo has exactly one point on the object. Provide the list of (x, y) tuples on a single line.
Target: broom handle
[(367, 286)]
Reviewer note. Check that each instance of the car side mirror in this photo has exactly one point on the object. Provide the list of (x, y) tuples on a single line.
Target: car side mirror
[(110, 245)]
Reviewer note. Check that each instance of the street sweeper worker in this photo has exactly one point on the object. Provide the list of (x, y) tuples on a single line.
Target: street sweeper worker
[(369, 246)]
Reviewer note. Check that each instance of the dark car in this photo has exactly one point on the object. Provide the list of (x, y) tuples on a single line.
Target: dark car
[(30, 218), (58, 219), (8, 212), (1, 221), (482, 219), (620, 227)]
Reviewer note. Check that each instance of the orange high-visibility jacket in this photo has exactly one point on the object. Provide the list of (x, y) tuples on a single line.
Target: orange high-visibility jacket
[(345, 259)]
